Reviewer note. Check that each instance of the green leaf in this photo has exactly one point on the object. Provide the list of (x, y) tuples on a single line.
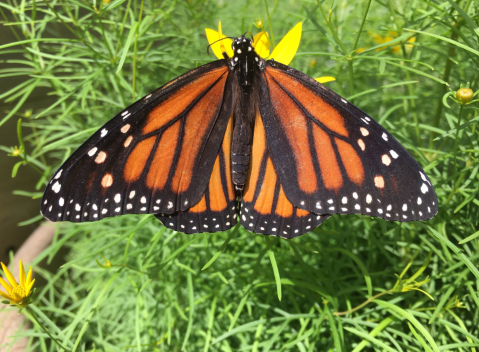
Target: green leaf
[(192, 310), (222, 248), (456, 250), (272, 258), (132, 33)]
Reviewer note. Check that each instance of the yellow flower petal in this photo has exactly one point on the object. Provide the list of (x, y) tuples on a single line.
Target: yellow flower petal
[(29, 287), (22, 274), (5, 284), (29, 277), (261, 44), (287, 47), (325, 79), (219, 47), (9, 276), (4, 295)]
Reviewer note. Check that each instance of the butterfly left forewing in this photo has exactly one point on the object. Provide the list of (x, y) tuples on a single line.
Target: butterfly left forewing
[(155, 156), (333, 158)]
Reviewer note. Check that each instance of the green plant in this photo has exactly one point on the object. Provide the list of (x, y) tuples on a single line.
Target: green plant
[(131, 284)]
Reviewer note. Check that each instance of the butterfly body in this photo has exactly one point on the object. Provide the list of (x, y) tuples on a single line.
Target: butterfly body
[(291, 150)]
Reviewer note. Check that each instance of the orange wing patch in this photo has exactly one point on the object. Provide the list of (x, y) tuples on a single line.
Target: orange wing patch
[(295, 125), (227, 156), (264, 202), (175, 104), (328, 163), (317, 107), (284, 208), (163, 159), (137, 159), (217, 196), (200, 207), (195, 129), (352, 162), (259, 148)]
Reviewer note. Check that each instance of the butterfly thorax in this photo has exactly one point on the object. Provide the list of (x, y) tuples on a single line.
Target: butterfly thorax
[(245, 61)]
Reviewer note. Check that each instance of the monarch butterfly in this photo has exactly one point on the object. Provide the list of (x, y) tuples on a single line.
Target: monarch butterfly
[(241, 139)]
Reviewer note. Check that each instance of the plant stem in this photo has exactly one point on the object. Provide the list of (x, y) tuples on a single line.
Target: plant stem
[(369, 300), (34, 316), (269, 20), (454, 187), (333, 32), (362, 24), (134, 51)]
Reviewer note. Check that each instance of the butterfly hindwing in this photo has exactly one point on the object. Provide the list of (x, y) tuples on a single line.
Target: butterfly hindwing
[(333, 158), (155, 156), (217, 209), (265, 209)]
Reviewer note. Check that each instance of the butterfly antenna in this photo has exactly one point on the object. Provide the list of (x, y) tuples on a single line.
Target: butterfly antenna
[(208, 48), (251, 34)]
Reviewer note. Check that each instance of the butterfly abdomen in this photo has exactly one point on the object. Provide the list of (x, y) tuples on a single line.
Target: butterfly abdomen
[(244, 113)]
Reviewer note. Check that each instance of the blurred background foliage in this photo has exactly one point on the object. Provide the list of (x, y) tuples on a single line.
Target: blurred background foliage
[(131, 284)]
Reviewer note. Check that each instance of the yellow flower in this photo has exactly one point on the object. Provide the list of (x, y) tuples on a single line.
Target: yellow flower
[(378, 39), (283, 52), (17, 293)]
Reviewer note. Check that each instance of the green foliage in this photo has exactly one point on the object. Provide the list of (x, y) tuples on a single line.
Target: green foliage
[(131, 284)]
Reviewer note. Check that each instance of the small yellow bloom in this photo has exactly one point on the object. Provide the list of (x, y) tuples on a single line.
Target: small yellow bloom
[(17, 293), (258, 23), (464, 95), (283, 52)]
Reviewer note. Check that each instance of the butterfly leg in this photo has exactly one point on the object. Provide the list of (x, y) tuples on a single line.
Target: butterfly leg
[(225, 55)]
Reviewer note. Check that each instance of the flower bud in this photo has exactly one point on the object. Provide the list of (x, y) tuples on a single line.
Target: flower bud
[(464, 95), (258, 23)]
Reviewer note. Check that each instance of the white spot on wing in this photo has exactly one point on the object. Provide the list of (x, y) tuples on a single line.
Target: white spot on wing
[(92, 151), (170, 205), (364, 131), (393, 154), (344, 101), (424, 188), (419, 201), (132, 194), (143, 200), (404, 207), (385, 136), (59, 173), (369, 199), (103, 132), (117, 198), (56, 187), (61, 201), (345, 200)]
